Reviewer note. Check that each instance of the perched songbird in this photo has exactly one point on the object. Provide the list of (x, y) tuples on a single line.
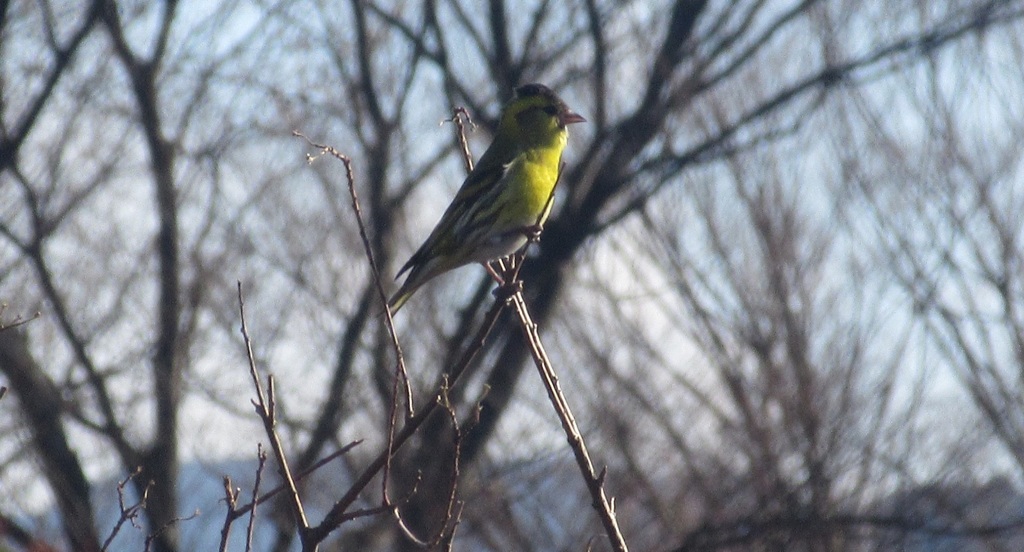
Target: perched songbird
[(505, 198)]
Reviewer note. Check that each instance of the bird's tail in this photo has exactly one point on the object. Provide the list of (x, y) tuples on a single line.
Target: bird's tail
[(399, 299), (412, 283)]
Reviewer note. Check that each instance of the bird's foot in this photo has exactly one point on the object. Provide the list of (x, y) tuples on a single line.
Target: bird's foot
[(507, 290), (495, 274), (532, 232)]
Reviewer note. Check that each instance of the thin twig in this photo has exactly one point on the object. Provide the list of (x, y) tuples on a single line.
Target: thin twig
[(392, 422), (338, 514), (262, 456), (368, 249), (401, 375), (461, 118), (231, 499), (446, 529), (18, 320), (298, 478), (128, 513), (174, 521), (449, 539), (451, 517), (266, 407), (595, 483)]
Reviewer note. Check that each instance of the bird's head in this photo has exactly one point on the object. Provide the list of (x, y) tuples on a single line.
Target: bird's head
[(537, 114)]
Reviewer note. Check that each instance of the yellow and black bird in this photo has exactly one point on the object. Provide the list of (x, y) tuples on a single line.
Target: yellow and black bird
[(505, 197)]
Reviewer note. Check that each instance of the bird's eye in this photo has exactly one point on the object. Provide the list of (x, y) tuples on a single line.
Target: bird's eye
[(551, 110)]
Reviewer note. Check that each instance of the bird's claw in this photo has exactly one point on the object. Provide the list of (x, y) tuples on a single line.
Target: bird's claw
[(506, 291), (533, 232)]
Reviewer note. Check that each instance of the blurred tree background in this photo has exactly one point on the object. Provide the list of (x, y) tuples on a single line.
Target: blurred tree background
[(783, 282)]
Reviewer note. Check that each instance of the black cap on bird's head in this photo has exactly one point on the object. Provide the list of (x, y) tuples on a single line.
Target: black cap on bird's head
[(559, 109)]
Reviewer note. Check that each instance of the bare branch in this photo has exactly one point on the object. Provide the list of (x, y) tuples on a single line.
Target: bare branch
[(595, 483), (18, 320), (350, 176), (266, 409), (262, 456), (338, 514), (231, 500), (128, 513)]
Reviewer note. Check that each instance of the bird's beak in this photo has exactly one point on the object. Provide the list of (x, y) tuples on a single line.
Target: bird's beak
[(569, 117)]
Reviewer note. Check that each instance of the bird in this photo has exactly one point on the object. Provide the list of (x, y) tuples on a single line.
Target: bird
[(505, 198)]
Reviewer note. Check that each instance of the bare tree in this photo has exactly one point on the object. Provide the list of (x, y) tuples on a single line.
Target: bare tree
[(945, 207)]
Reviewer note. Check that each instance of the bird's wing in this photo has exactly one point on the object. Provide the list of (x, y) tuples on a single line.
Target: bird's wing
[(468, 211)]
